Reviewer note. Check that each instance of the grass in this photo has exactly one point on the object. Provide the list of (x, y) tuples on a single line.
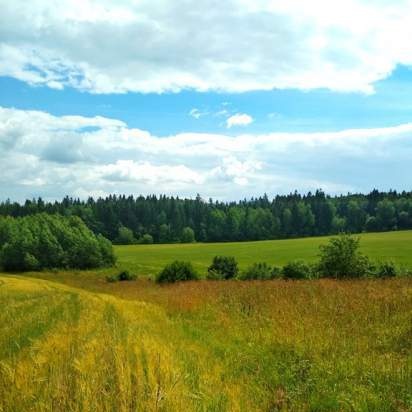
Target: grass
[(150, 259), (74, 342)]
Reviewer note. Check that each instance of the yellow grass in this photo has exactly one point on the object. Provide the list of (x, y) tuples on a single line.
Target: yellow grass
[(205, 346)]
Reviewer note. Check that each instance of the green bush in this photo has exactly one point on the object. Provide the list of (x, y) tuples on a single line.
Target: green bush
[(259, 271), (188, 235), (297, 269), (112, 278), (276, 272), (341, 258), (146, 239), (45, 241), (222, 268), (177, 271), (387, 269), (125, 236), (126, 275)]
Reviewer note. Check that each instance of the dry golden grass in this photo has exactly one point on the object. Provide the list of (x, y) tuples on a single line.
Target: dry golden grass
[(87, 345)]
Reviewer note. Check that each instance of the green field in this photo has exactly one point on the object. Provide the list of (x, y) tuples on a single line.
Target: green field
[(149, 259), (73, 342)]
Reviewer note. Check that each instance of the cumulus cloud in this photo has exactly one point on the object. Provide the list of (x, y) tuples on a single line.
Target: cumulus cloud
[(238, 119), (51, 156), (103, 46)]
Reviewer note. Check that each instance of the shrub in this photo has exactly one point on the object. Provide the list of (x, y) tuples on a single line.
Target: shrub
[(222, 267), (297, 269), (341, 258), (177, 271), (146, 239), (125, 236), (188, 235), (111, 278), (126, 275), (259, 271), (387, 269)]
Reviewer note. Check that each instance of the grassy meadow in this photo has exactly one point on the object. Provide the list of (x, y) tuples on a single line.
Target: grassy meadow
[(150, 259), (72, 342)]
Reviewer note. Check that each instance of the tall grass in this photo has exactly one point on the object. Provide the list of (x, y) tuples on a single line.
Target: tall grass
[(206, 346)]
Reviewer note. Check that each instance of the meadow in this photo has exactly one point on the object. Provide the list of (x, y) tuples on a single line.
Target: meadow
[(150, 259), (71, 341)]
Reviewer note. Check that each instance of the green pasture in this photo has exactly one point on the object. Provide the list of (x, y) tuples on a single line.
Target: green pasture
[(149, 259)]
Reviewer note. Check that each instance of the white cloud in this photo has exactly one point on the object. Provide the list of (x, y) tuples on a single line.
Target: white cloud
[(238, 119), (103, 46), (51, 156), (197, 114)]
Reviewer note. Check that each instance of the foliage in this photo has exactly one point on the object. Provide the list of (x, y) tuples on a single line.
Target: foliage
[(188, 235), (260, 271), (51, 241), (146, 239), (285, 216), (387, 269), (124, 275), (223, 267), (297, 269), (125, 236), (177, 271), (341, 258)]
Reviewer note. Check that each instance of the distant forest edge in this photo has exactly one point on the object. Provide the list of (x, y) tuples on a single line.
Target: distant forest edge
[(164, 219)]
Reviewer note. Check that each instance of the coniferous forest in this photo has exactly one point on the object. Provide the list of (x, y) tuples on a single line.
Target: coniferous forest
[(163, 219)]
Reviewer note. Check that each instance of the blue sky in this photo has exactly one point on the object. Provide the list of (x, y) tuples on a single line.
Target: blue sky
[(230, 99), (275, 110)]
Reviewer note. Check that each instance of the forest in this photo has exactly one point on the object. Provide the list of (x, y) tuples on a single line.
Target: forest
[(164, 219)]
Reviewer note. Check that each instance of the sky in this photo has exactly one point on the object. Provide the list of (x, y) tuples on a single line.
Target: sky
[(228, 99)]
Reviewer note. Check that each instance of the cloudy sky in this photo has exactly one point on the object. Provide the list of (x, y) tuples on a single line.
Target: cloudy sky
[(229, 99)]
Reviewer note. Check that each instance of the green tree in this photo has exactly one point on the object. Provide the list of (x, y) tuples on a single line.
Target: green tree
[(125, 236), (188, 235)]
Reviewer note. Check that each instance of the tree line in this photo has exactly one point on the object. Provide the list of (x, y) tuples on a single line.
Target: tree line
[(166, 219)]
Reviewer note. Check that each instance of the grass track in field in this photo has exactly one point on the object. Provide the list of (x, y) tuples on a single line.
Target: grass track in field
[(149, 259), (210, 346)]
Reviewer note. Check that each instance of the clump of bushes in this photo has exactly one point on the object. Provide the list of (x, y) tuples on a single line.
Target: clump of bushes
[(297, 269), (45, 241), (125, 275), (177, 271), (260, 271), (222, 268)]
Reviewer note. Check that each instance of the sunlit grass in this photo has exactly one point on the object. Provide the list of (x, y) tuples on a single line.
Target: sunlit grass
[(205, 346), (150, 259)]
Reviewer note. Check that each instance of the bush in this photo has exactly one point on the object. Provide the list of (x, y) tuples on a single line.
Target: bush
[(222, 267), (341, 258), (188, 235), (177, 271), (111, 278), (387, 269), (45, 241), (146, 239), (125, 275), (125, 236), (297, 269), (260, 271)]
